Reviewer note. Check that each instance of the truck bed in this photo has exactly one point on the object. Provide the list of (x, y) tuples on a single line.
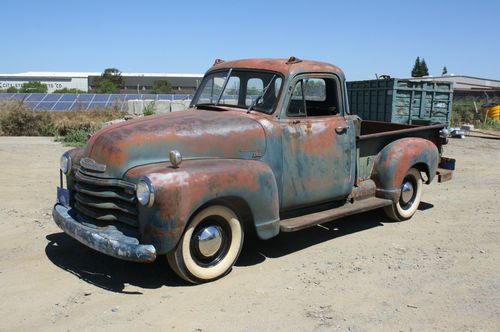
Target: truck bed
[(377, 129), (373, 136)]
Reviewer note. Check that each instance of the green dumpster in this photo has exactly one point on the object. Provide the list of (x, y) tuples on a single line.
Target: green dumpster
[(402, 100)]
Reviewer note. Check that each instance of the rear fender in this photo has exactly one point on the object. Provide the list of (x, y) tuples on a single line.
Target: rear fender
[(180, 192), (394, 160)]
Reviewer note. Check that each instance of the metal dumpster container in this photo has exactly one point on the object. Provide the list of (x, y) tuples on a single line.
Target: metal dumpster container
[(402, 100)]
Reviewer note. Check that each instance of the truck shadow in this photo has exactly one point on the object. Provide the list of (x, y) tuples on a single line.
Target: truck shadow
[(257, 251), (107, 272), (114, 275), (287, 243)]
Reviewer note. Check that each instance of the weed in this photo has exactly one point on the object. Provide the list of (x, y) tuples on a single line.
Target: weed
[(149, 108), (75, 137)]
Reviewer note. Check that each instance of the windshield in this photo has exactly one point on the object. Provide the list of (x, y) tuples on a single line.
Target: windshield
[(252, 90)]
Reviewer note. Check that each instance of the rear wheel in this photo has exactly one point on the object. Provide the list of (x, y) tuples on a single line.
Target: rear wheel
[(209, 247), (411, 193)]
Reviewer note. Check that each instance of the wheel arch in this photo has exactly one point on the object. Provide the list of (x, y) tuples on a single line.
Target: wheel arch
[(238, 205), (395, 159), (247, 186)]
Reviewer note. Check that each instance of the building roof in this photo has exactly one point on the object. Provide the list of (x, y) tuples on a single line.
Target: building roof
[(464, 82), (453, 77), (87, 74)]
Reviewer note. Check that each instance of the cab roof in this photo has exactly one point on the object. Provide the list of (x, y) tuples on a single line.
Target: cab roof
[(288, 67)]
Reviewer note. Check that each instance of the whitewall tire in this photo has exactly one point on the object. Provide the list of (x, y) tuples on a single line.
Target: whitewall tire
[(209, 246), (411, 194)]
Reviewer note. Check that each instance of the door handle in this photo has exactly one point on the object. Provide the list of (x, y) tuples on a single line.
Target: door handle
[(341, 130), (295, 121)]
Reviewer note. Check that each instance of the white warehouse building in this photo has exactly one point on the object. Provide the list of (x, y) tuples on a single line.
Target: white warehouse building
[(134, 82)]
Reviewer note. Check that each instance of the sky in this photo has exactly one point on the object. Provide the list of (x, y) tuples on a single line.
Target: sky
[(363, 38)]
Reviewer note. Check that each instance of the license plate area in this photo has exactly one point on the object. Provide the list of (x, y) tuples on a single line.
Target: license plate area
[(63, 196)]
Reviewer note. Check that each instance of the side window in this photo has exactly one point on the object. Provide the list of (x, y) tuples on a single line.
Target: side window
[(231, 92), (314, 97)]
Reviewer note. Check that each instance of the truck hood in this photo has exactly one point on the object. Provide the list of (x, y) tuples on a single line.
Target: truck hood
[(194, 133)]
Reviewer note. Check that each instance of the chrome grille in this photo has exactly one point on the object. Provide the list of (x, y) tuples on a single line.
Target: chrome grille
[(106, 200)]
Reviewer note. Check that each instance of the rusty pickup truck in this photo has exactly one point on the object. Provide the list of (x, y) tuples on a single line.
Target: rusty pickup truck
[(267, 146)]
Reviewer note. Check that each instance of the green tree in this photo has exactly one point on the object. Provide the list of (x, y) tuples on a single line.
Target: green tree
[(419, 68), (33, 87), (162, 86), (107, 86), (445, 71), (112, 75), (415, 72), (12, 89), (424, 71)]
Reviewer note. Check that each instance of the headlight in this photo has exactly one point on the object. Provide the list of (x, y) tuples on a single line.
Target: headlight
[(65, 163), (145, 192)]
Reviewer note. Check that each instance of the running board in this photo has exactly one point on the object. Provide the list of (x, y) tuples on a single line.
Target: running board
[(313, 219)]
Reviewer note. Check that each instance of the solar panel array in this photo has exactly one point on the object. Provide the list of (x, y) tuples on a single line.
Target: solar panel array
[(71, 102)]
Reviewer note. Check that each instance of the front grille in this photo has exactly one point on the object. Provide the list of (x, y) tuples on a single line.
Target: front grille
[(107, 200)]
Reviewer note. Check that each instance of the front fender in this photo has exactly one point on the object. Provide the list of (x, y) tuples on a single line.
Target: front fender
[(394, 160), (180, 192)]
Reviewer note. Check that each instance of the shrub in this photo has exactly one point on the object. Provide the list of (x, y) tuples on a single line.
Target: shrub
[(75, 137), (73, 128), (161, 86), (149, 108), (92, 119), (72, 90), (464, 111), (17, 120), (33, 87), (107, 86)]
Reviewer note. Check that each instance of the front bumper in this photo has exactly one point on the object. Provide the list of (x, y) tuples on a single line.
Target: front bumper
[(108, 240)]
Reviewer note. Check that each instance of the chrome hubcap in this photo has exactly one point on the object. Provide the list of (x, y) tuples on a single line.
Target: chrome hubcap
[(407, 191), (209, 240)]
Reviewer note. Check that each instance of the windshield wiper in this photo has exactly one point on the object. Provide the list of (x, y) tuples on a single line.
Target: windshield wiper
[(259, 97), (226, 80)]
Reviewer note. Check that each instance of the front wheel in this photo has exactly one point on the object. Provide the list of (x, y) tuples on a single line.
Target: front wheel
[(411, 193), (209, 247)]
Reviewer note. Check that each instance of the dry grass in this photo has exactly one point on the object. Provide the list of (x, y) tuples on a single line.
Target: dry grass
[(90, 120), (17, 120)]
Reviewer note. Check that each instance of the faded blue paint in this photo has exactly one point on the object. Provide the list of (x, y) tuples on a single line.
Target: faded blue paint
[(182, 191), (395, 159)]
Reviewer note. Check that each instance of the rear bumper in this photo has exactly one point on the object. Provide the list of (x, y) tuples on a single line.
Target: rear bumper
[(444, 174), (445, 169), (108, 240)]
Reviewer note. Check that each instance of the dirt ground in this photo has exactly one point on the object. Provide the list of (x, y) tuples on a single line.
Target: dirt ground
[(438, 271)]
